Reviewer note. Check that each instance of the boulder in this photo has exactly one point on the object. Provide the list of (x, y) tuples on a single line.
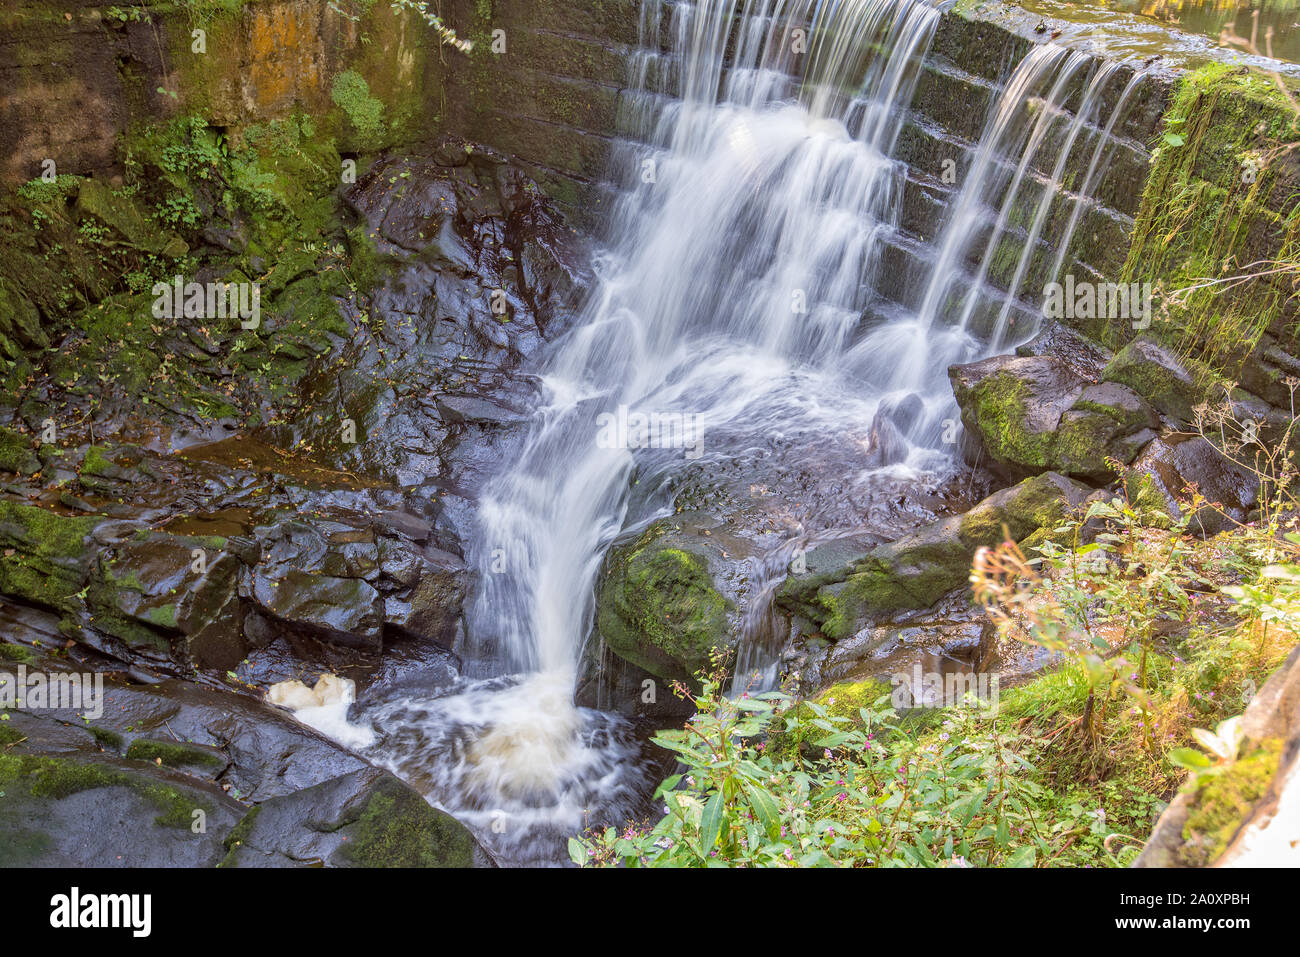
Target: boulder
[(1172, 465), (917, 570), (659, 606), (1034, 414), (347, 611), (1160, 377)]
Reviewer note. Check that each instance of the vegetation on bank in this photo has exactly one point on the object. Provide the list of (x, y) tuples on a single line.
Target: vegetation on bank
[(1219, 228), (1158, 636), (193, 203)]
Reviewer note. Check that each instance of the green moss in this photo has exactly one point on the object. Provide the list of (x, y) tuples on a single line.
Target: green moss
[(16, 453), (398, 828), (163, 616), (351, 92), (97, 463), (58, 778), (1221, 802), (999, 407), (174, 754), (660, 610), (16, 653), (237, 836), (107, 738), (1213, 207), (1146, 498), (48, 564), (1035, 503), (23, 847), (10, 736)]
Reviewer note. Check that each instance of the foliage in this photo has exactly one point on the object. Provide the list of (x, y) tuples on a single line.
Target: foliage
[(874, 798), (1158, 634)]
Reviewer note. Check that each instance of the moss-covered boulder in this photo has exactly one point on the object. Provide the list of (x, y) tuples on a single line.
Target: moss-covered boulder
[(43, 555), (917, 570), (659, 606), (365, 819), (1166, 381), (17, 454), (1033, 414)]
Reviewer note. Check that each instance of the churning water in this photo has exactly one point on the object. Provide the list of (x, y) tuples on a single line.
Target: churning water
[(736, 297)]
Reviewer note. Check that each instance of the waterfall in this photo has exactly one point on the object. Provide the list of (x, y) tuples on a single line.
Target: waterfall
[(735, 298), (740, 264)]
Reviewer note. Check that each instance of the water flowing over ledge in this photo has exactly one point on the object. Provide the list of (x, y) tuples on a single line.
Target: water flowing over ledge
[(739, 293)]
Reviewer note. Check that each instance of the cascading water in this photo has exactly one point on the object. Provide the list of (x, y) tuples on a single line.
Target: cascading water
[(735, 297)]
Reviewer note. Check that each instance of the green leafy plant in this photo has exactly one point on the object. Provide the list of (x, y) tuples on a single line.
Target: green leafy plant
[(874, 797)]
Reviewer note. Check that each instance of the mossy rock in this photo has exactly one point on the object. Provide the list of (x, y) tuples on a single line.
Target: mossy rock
[(1173, 386), (1220, 196), (367, 818), (49, 561), (1016, 513), (17, 454), (398, 828), (917, 570), (20, 324), (174, 754), (1034, 414), (1222, 802), (56, 778), (659, 607)]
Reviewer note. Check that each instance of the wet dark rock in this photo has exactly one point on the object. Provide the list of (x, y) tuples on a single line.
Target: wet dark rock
[(918, 569), (429, 606), (1163, 379), (153, 587), (1085, 357), (176, 775), (1034, 414), (470, 410), (405, 525), (344, 610), (1172, 465), (887, 443)]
